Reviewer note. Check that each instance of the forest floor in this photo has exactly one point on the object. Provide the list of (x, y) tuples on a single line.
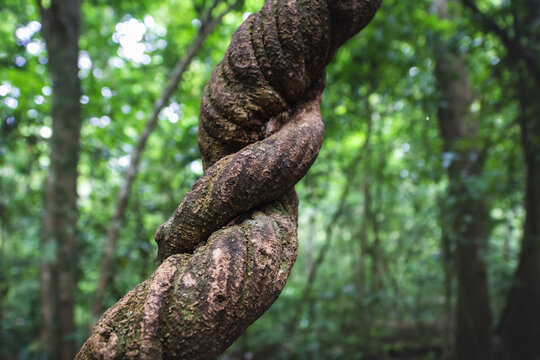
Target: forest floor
[(407, 341), (401, 341)]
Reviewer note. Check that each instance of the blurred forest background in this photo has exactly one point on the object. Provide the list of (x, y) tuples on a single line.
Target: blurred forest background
[(419, 223)]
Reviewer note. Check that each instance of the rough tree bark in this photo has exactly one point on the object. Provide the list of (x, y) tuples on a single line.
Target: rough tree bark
[(208, 24), (61, 27), (468, 215), (227, 251)]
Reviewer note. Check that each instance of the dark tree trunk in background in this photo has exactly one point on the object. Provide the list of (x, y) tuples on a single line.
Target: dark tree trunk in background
[(520, 321), (446, 259), (467, 214), (61, 26), (519, 328)]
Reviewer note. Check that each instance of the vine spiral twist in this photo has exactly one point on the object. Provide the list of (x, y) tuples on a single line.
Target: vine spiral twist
[(225, 254)]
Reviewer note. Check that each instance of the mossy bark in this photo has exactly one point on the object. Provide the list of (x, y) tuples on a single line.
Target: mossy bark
[(225, 254)]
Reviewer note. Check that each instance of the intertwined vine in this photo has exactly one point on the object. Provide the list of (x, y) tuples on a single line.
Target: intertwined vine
[(225, 254)]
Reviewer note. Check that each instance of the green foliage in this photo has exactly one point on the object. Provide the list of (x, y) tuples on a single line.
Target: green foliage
[(376, 193)]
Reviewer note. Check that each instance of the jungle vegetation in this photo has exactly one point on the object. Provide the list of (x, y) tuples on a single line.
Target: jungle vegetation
[(419, 222)]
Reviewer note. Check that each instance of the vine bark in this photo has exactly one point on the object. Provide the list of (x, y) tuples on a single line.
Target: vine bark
[(225, 254)]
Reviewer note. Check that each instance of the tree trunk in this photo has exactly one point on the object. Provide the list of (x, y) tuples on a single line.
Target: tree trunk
[(228, 249), (4, 284), (468, 215), (446, 259), (519, 328), (61, 23)]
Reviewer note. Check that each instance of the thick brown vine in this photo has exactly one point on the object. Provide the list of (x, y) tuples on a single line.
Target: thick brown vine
[(225, 254)]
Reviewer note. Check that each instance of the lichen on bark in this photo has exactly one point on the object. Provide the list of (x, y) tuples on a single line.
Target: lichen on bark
[(227, 251)]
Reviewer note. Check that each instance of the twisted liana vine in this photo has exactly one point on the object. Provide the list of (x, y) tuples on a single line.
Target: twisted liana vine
[(225, 254)]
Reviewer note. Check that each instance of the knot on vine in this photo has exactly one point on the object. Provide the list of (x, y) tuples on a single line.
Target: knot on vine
[(260, 128), (227, 251)]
